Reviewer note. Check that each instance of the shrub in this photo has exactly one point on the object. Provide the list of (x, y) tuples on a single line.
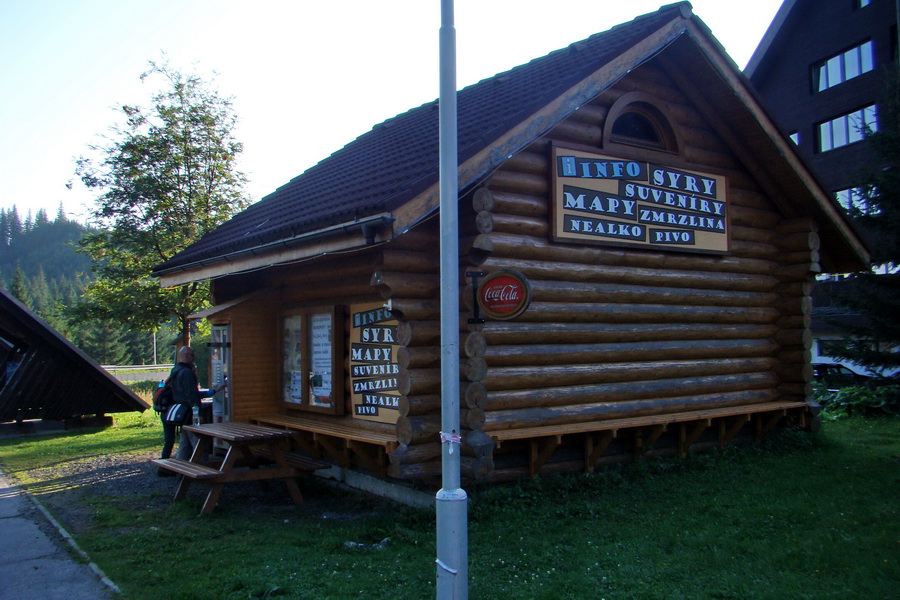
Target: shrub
[(143, 388), (864, 401)]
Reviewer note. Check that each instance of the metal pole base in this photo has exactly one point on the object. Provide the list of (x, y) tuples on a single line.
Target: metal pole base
[(452, 545)]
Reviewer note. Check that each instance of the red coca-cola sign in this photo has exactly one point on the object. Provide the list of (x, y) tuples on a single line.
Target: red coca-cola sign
[(504, 294)]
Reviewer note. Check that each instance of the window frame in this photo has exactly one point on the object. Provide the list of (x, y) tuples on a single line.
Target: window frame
[(297, 339), (846, 129), (835, 70), (646, 107)]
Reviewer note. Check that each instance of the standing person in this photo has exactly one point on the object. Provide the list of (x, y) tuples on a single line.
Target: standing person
[(185, 390)]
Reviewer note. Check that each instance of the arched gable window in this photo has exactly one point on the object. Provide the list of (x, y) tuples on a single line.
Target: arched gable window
[(634, 121)]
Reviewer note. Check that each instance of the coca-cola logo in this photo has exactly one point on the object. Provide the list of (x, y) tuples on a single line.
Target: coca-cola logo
[(504, 294)]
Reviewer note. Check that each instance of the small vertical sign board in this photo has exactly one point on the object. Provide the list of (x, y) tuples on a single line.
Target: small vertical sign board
[(600, 199), (373, 363)]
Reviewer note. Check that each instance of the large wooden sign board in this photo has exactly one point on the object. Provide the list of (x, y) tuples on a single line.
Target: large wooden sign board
[(600, 199), (373, 363)]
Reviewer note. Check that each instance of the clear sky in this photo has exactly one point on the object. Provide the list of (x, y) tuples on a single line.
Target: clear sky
[(307, 76)]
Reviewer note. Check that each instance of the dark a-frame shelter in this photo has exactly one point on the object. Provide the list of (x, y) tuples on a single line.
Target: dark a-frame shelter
[(43, 376)]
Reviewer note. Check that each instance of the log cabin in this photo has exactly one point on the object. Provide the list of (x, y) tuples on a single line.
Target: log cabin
[(638, 245)]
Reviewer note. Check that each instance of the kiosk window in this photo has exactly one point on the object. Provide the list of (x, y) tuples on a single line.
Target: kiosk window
[(312, 355)]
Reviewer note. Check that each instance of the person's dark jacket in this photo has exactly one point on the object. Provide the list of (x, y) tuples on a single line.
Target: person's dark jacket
[(184, 385)]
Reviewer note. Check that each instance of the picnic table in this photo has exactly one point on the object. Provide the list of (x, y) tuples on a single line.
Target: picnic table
[(246, 442)]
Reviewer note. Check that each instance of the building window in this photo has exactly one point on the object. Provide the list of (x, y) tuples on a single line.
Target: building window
[(636, 127), (795, 137), (847, 129), (863, 3), (636, 122), (844, 66), (312, 360)]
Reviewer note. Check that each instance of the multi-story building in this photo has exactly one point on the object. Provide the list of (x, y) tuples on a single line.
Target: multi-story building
[(821, 68)]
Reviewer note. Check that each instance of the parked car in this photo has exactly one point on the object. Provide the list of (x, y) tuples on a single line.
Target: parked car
[(836, 376)]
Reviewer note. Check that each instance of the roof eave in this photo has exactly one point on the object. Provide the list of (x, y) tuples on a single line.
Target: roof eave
[(347, 236)]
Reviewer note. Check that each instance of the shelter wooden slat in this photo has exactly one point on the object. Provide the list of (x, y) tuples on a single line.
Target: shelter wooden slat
[(44, 376)]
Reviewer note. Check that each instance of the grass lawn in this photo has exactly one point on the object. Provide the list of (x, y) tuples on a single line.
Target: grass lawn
[(799, 516)]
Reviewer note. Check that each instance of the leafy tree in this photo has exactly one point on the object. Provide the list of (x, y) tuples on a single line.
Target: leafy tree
[(166, 177), (874, 296)]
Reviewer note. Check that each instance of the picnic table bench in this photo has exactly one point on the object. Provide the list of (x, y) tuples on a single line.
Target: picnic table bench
[(241, 463)]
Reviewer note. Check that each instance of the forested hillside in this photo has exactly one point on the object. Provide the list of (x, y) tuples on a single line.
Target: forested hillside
[(35, 244), (39, 265)]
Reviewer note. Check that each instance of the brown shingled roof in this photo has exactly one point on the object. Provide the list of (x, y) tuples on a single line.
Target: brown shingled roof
[(398, 159)]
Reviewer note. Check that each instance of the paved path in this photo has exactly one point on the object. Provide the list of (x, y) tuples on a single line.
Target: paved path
[(37, 560)]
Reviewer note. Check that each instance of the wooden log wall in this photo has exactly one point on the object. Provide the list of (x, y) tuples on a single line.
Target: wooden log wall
[(254, 351), (611, 332), (414, 297), (798, 243)]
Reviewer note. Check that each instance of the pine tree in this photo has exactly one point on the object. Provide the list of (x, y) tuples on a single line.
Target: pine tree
[(41, 219), (19, 288), (103, 342), (41, 300), (14, 226), (4, 230)]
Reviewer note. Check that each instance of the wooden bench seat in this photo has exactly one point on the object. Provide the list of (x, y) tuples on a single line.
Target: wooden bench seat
[(189, 469), (296, 460), (614, 424), (327, 428), (339, 440), (544, 439)]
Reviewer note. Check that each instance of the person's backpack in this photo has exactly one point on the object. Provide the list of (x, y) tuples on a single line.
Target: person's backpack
[(163, 396)]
